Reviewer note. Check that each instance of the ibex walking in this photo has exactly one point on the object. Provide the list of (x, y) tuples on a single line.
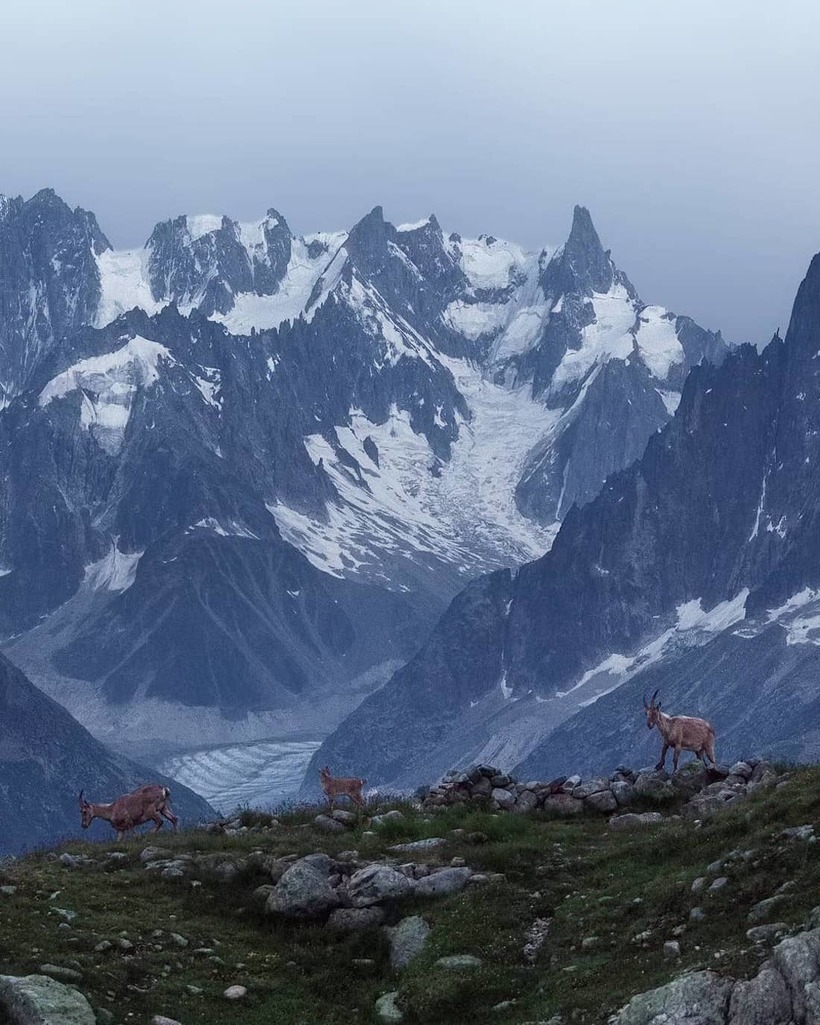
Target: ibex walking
[(146, 804), (682, 732), (341, 787)]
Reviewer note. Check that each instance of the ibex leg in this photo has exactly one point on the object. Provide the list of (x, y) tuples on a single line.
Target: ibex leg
[(173, 819)]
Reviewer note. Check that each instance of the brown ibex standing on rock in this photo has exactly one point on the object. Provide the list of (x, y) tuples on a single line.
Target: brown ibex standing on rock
[(146, 804), (682, 732)]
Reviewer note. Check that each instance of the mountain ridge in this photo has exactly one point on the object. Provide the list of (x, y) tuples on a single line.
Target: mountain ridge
[(699, 557), (292, 452)]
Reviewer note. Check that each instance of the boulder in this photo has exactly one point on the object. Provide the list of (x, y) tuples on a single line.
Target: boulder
[(394, 815), (347, 818), (701, 998), (632, 820), (763, 1000), (797, 959), (601, 801), (624, 792), (654, 784), (387, 1009), (40, 1000), (419, 845), (407, 941), (763, 909), (155, 854), (563, 805), (302, 892), (322, 861), (503, 798), (592, 786), (377, 883), (766, 933), (355, 919), (440, 884), (328, 825), (527, 801)]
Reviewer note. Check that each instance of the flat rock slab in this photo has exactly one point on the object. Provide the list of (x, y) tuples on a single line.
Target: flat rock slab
[(459, 962), (40, 1000), (633, 820), (440, 884), (419, 845)]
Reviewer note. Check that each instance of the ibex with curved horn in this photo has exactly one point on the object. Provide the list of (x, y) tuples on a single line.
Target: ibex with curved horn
[(681, 732)]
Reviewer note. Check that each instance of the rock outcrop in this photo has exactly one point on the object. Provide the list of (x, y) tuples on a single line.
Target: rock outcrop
[(786, 991)]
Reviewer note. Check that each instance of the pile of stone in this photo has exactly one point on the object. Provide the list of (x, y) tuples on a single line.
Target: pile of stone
[(703, 790), (786, 989), (351, 893)]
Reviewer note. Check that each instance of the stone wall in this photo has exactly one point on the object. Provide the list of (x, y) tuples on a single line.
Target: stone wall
[(703, 790)]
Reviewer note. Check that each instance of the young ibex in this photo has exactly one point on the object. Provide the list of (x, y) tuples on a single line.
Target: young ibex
[(146, 804), (341, 787), (681, 732)]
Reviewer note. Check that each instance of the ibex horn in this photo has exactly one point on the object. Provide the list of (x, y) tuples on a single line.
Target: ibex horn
[(81, 797), (655, 695)]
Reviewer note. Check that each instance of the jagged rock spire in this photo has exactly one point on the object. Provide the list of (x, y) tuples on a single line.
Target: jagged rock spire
[(582, 266)]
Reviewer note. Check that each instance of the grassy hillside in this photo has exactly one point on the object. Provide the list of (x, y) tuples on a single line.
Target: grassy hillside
[(613, 899)]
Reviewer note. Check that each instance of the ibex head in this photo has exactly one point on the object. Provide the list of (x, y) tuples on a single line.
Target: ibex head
[(653, 710), (86, 811)]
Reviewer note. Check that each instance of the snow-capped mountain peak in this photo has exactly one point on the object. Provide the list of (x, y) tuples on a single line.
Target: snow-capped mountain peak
[(289, 438)]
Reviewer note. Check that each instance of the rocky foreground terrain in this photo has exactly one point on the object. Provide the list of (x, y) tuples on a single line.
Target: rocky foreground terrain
[(638, 899)]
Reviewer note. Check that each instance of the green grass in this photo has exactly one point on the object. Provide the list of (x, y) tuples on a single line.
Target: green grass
[(588, 880)]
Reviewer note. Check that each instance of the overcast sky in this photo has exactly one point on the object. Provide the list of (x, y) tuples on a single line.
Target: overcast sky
[(690, 129)]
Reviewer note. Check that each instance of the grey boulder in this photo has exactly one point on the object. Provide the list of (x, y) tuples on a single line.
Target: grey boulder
[(302, 892), (702, 998), (377, 883), (40, 1000), (440, 884), (407, 941)]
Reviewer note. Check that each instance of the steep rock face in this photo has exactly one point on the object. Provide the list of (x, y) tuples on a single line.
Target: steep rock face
[(46, 758), (426, 695), (204, 262), (612, 363), (49, 282), (712, 532)]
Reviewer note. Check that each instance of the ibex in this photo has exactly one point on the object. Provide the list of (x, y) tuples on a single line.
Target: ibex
[(146, 804), (682, 732), (341, 787)]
